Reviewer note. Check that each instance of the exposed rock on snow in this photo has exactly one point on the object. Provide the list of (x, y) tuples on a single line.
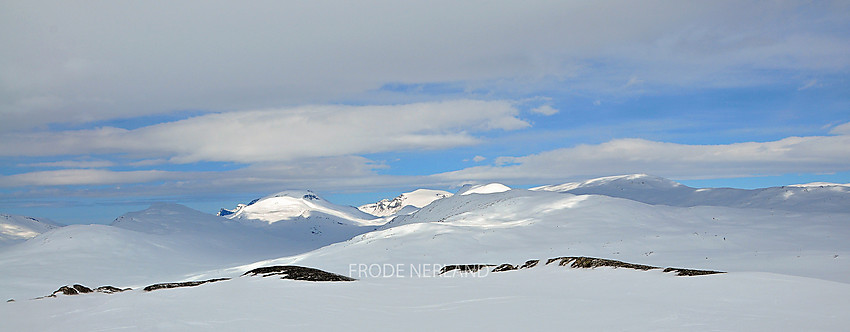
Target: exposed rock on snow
[(590, 263), (181, 284), (508, 267), (405, 203), (573, 262), (297, 273), (72, 290), (77, 289), (111, 289), (689, 272)]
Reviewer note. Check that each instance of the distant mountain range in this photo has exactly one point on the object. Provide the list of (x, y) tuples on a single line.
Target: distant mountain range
[(813, 197), (633, 218)]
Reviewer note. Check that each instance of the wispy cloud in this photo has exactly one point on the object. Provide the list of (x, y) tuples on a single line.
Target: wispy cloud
[(815, 154), (73, 164), (810, 84), (842, 129), (67, 177), (283, 134)]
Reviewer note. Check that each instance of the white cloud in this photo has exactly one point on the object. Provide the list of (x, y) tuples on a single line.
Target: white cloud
[(74, 62), (283, 134), (815, 154), (842, 129), (479, 159), (83, 177), (545, 110)]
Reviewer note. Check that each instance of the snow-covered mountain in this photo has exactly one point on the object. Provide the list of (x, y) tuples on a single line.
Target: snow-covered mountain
[(416, 199), (169, 218), (489, 188), (815, 197), (294, 205), (16, 229)]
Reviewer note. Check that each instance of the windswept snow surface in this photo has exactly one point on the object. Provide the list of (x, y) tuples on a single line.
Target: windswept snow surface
[(17, 229), (546, 298), (788, 269), (404, 203), (814, 197)]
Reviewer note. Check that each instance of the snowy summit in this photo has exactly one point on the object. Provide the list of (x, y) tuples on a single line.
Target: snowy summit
[(405, 203)]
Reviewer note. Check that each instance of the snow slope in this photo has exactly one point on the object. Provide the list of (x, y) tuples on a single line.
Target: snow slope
[(417, 199), (163, 242), (489, 188), (815, 197), (16, 229)]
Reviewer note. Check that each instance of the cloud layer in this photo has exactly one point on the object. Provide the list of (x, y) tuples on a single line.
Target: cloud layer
[(93, 60), (283, 134), (813, 154)]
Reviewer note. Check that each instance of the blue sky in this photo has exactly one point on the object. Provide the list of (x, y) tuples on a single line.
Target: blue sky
[(108, 107)]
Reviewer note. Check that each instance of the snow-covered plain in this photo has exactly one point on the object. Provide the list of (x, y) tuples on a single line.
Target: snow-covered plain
[(787, 267)]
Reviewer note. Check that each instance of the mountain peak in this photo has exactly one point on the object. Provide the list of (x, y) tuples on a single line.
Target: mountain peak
[(406, 202), (296, 205), (490, 188)]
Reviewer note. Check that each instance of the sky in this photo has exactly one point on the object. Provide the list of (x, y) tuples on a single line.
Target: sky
[(109, 106)]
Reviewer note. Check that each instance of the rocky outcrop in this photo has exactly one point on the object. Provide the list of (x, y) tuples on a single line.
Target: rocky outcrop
[(689, 272), (590, 262), (110, 289), (470, 268), (576, 262), (78, 289), (297, 273), (181, 284)]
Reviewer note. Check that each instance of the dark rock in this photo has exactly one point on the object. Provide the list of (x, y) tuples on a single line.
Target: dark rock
[(689, 272), (110, 289), (297, 273), (181, 284), (529, 264), (10, 300), (505, 267), (471, 268), (591, 262), (72, 290)]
